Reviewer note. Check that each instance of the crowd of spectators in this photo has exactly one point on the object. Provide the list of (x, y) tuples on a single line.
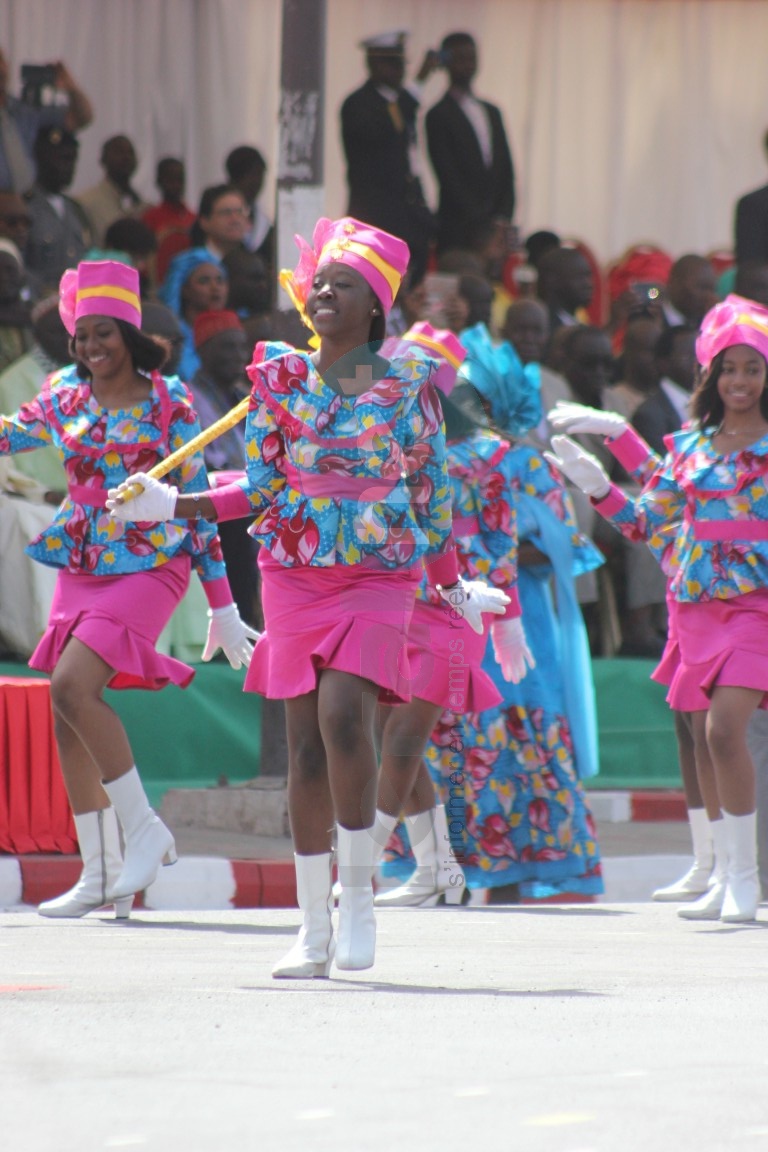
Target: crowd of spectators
[(618, 337)]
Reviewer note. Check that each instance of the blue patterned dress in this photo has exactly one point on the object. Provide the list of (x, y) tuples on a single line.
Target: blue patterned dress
[(510, 776)]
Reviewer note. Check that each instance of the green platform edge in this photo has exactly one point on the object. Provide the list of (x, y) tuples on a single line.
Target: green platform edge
[(210, 732)]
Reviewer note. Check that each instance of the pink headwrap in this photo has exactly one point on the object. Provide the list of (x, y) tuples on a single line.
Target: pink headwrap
[(440, 344), (380, 259), (99, 288), (734, 321)]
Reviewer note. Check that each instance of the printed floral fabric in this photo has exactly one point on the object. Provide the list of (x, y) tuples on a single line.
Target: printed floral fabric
[(338, 479), (693, 485), (99, 449), (516, 808)]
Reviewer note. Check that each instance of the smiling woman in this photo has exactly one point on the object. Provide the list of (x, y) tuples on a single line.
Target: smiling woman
[(116, 586), (346, 477)]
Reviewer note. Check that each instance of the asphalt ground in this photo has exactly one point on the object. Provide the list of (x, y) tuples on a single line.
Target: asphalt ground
[(589, 1028)]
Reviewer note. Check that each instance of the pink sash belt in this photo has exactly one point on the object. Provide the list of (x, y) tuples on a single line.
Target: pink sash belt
[(719, 530), (93, 497), (337, 486), (466, 525)]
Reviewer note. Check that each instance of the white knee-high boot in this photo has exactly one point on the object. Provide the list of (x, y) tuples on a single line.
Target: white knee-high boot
[(312, 953), (696, 880), (383, 827), (437, 870), (356, 851), (742, 890), (99, 838), (148, 843), (709, 906)]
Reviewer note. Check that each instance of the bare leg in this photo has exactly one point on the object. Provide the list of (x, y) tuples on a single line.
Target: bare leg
[(405, 782), (704, 766), (91, 740), (727, 722), (310, 805), (686, 752), (346, 712)]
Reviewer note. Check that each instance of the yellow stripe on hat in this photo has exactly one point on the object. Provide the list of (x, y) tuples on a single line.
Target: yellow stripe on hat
[(436, 346), (123, 294), (390, 274), (751, 321)]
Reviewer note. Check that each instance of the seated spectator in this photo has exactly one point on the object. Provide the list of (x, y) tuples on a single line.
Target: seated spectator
[(137, 240), (566, 286), (410, 305), (751, 281), (158, 320), (665, 410), (691, 290), (246, 169), (59, 234), (639, 369), (15, 311), (171, 219), (249, 291), (114, 195), (471, 305), (21, 120), (218, 385), (222, 220), (15, 222), (196, 283), (527, 329), (22, 381)]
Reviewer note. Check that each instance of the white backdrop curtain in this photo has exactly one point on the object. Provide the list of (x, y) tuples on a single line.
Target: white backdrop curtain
[(630, 120)]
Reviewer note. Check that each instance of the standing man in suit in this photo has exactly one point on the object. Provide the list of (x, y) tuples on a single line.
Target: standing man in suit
[(378, 129), (469, 152), (751, 230)]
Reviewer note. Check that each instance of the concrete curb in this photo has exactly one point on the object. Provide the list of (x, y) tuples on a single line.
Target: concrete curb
[(637, 806)]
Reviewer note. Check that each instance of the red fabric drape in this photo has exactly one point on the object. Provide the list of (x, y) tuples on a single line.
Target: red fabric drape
[(34, 810)]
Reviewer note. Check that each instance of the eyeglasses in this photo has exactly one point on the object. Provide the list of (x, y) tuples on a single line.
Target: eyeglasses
[(229, 212)]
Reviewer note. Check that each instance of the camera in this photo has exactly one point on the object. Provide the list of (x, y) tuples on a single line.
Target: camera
[(38, 84), (647, 291)]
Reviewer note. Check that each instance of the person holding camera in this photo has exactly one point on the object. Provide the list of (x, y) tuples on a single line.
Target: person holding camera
[(21, 119)]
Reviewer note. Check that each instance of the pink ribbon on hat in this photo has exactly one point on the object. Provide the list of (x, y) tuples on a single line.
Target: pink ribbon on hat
[(734, 320)]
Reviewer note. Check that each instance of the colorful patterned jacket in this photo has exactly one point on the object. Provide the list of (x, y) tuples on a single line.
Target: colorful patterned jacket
[(100, 448)]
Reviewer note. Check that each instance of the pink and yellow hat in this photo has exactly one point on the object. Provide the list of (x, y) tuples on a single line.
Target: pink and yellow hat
[(443, 345), (380, 259), (735, 320), (100, 288)]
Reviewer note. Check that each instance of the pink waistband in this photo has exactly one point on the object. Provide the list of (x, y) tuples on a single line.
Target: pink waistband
[(466, 525), (94, 497), (336, 485), (730, 529)]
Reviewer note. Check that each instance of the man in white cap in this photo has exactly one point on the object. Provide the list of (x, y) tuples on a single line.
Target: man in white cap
[(378, 127)]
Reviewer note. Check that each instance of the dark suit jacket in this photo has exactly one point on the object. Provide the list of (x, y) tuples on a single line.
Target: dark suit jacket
[(751, 240), (656, 418), (470, 194), (382, 189)]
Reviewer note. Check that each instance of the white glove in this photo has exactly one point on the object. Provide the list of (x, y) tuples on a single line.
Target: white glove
[(227, 631), (510, 648), (156, 502), (470, 598), (581, 467), (573, 418)]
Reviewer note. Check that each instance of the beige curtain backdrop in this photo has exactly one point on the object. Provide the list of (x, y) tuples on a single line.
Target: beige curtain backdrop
[(630, 120)]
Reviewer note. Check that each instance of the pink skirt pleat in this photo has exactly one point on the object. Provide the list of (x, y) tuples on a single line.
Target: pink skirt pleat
[(120, 619), (445, 658), (351, 618)]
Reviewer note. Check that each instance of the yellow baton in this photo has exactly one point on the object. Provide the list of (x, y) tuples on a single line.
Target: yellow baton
[(234, 416)]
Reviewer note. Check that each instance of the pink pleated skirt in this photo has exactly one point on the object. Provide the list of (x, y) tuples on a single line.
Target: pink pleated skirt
[(445, 658), (723, 643), (352, 618), (120, 619)]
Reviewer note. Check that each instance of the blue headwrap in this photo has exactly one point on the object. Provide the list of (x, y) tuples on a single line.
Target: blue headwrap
[(496, 371), (179, 271)]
